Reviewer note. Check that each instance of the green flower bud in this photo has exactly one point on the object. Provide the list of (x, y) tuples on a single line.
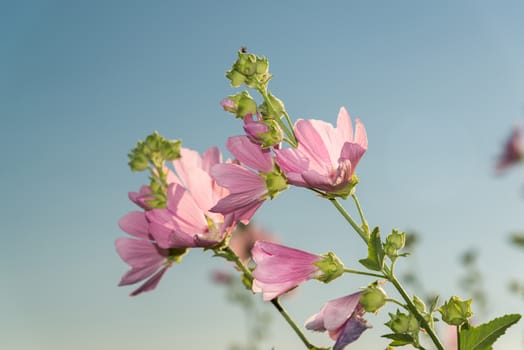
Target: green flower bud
[(138, 162), (262, 65), (373, 298), (237, 78), (401, 323), (396, 239), (170, 150), (240, 104), (246, 105), (331, 267), (456, 311)]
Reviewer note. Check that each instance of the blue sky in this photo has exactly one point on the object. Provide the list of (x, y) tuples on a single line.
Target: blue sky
[(437, 85)]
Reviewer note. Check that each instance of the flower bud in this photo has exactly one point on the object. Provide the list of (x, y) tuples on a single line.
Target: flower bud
[(331, 267), (394, 242), (401, 323), (262, 65), (373, 298), (273, 108), (455, 311), (266, 133), (138, 162), (240, 104), (396, 239), (237, 78)]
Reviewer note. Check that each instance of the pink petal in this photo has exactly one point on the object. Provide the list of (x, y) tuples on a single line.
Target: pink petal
[(135, 224), (187, 215), (250, 154), (360, 135), (310, 140), (237, 179), (142, 255), (211, 157), (184, 166), (344, 126), (337, 311), (151, 283), (139, 253), (352, 152)]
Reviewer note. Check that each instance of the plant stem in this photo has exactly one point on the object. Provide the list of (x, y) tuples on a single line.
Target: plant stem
[(350, 220), (245, 270), (388, 273), (362, 218), (364, 273), (413, 308)]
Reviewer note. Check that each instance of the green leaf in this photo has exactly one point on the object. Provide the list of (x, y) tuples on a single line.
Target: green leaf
[(376, 255), (482, 337), (399, 339)]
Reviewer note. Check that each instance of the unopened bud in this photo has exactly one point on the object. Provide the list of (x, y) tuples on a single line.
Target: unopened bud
[(373, 298), (331, 267), (456, 311)]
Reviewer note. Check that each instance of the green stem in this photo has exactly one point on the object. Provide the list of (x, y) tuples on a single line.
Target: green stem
[(288, 131), (356, 272), (350, 220), (395, 301), (388, 273), (245, 270), (458, 338), (411, 307), (361, 213)]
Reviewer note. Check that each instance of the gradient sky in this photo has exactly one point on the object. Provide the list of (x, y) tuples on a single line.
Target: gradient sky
[(438, 86)]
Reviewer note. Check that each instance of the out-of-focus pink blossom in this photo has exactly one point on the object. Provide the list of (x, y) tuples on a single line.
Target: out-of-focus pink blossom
[(280, 268), (513, 152), (248, 188), (342, 318), (243, 239), (146, 258), (221, 277), (187, 221), (326, 157)]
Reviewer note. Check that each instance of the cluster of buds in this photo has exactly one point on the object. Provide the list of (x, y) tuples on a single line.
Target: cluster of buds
[(151, 154), (249, 69)]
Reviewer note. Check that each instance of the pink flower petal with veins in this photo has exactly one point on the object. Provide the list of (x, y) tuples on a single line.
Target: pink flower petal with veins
[(250, 153), (135, 224)]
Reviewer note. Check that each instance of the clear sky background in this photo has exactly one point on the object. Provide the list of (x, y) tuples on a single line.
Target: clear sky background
[(438, 86)]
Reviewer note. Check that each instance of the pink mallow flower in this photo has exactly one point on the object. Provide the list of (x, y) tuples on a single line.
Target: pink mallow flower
[(342, 318), (187, 221), (280, 268), (248, 188), (146, 258), (326, 157), (513, 151)]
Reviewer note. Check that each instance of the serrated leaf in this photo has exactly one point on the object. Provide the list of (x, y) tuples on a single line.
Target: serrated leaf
[(482, 337), (399, 339), (376, 255)]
